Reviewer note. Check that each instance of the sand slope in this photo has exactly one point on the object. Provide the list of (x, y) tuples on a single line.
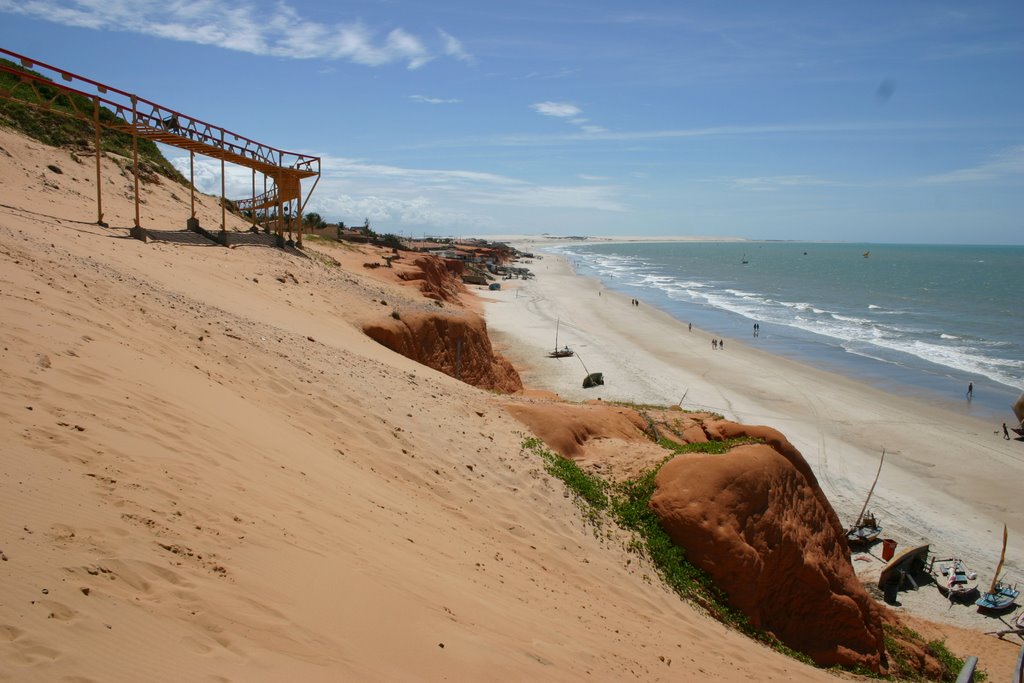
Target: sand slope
[(209, 473)]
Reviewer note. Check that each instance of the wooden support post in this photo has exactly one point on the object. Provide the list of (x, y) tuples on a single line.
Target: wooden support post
[(135, 156), (99, 176), (137, 232), (192, 180), (223, 201), (252, 209)]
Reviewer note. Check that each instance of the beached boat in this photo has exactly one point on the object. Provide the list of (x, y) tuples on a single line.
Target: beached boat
[(565, 351), (866, 529), (901, 569), (1018, 411), (1000, 594), (957, 583), (593, 379)]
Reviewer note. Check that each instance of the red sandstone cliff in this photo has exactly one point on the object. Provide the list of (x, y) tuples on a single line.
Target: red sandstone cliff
[(755, 519), (757, 522), (455, 344), (435, 281)]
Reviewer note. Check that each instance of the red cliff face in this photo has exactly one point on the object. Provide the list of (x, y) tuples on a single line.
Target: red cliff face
[(456, 345), (435, 281), (757, 522)]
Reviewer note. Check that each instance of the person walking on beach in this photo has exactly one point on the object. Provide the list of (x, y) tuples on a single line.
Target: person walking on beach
[(1006, 434), (721, 343), (714, 344), (970, 390), (689, 327)]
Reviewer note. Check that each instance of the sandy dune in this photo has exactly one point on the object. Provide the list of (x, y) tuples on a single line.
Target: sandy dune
[(210, 473)]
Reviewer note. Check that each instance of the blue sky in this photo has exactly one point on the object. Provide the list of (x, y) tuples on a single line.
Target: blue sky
[(870, 121)]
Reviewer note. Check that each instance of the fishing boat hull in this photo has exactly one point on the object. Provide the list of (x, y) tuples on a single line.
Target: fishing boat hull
[(863, 536), (910, 561), (958, 584), (1002, 598)]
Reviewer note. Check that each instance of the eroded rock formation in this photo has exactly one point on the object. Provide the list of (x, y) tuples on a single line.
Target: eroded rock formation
[(455, 344), (757, 522), (435, 281)]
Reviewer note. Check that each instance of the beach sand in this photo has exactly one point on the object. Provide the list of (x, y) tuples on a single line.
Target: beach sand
[(209, 473), (948, 480)]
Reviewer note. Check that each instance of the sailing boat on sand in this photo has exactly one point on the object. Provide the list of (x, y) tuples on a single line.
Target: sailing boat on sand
[(564, 352), (1001, 594), (866, 529), (958, 583)]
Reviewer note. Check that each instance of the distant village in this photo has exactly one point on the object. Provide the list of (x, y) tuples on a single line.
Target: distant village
[(475, 261)]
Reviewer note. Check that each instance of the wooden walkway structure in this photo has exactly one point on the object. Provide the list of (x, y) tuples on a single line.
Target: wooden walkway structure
[(280, 204)]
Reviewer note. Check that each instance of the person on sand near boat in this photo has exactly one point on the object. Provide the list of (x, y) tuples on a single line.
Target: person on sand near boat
[(1006, 432)]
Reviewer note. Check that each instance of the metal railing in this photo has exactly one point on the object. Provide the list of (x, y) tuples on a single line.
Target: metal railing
[(148, 119), (115, 109)]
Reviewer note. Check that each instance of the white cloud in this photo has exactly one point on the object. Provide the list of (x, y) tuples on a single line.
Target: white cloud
[(562, 110), (432, 100), (453, 47), (570, 112), (243, 25), (585, 176), (773, 183), (354, 189), (416, 211), (1008, 162)]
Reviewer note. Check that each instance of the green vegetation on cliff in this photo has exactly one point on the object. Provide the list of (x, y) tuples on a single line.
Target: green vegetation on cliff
[(56, 128), (627, 504)]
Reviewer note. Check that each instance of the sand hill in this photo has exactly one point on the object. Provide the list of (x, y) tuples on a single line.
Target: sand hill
[(211, 472)]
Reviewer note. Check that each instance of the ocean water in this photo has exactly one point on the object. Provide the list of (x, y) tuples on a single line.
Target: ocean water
[(916, 320)]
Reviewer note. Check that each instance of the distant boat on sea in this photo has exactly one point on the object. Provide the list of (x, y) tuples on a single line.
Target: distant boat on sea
[(867, 254), (744, 261)]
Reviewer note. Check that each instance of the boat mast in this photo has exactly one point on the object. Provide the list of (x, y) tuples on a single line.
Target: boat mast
[(860, 517), (557, 321), (999, 567)]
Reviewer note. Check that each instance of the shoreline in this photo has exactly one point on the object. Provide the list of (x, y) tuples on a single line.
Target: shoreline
[(947, 479), (906, 374)]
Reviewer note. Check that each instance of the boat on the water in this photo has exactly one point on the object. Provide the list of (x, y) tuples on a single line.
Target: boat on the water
[(1000, 595), (957, 583)]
